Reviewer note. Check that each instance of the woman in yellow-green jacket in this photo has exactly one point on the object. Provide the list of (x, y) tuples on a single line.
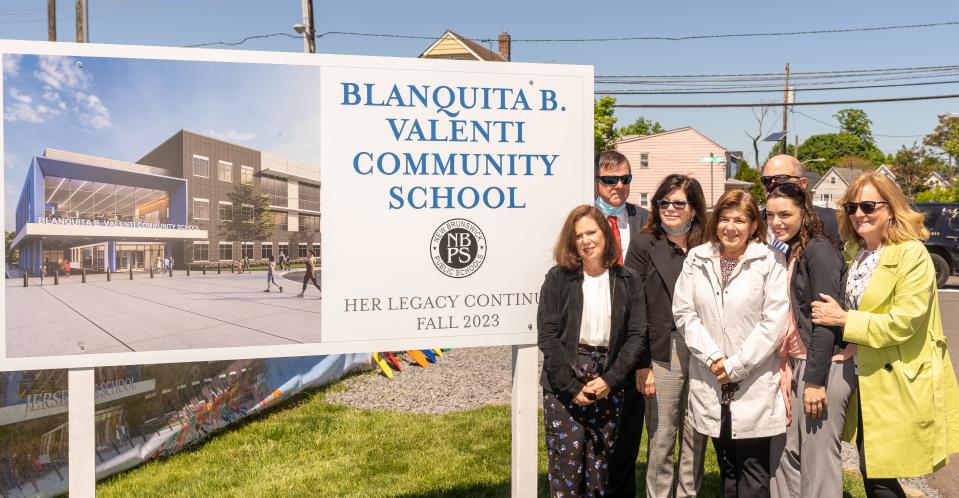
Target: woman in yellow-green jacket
[(906, 417)]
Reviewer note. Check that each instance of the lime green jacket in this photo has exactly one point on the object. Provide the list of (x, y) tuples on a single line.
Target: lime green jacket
[(909, 393)]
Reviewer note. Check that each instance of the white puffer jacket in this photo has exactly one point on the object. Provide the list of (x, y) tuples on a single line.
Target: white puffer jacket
[(745, 322)]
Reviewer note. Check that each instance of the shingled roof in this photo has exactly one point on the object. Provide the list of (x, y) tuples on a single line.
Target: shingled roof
[(480, 52)]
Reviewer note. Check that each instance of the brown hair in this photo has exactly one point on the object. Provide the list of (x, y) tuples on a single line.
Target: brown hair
[(906, 223), (565, 252), (811, 224), (609, 159), (695, 200), (739, 199)]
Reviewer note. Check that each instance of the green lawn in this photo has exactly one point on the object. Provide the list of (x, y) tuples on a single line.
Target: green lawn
[(307, 447)]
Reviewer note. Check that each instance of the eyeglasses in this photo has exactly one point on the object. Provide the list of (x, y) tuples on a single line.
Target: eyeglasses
[(664, 204), (780, 179), (790, 189), (613, 179), (867, 207)]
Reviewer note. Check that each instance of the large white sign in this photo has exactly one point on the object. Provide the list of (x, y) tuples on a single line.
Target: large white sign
[(443, 186)]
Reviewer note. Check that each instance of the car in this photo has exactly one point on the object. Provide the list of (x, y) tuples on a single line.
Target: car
[(942, 220)]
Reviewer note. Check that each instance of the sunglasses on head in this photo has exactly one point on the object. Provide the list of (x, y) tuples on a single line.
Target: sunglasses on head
[(614, 179), (790, 189), (867, 207), (664, 204), (780, 179)]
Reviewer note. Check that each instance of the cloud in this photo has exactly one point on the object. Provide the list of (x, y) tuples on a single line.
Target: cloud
[(22, 108), (62, 73), (232, 135), (92, 111), (54, 98), (11, 64), (19, 97)]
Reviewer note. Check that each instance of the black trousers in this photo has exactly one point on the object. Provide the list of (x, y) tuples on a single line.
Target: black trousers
[(743, 463), (579, 439), (622, 465), (875, 488), (307, 277)]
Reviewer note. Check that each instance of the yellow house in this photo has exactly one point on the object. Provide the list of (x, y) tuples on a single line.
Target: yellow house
[(455, 46)]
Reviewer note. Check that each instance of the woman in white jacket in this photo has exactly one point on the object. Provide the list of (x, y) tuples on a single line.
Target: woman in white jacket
[(731, 306)]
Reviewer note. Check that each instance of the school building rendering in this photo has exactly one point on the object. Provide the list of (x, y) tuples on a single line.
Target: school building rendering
[(102, 214)]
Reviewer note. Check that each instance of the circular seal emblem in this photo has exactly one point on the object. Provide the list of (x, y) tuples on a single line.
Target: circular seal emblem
[(458, 248)]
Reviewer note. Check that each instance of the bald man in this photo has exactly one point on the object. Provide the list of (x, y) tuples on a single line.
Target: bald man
[(787, 169)]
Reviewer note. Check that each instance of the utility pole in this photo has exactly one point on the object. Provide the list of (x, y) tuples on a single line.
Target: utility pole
[(52, 20), (83, 24), (309, 34), (785, 112)]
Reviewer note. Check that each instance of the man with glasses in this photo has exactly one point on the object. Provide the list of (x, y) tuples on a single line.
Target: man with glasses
[(612, 178), (782, 169)]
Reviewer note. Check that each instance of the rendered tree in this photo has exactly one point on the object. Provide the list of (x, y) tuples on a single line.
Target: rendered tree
[(252, 221)]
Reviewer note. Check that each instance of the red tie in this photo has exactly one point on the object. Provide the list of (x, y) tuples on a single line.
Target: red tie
[(619, 243)]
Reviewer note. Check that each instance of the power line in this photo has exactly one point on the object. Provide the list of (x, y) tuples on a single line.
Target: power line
[(780, 75), (614, 39), (821, 102), (743, 82), (769, 90), (244, 40)]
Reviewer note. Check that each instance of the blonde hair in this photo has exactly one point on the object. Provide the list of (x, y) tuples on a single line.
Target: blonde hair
[(906, 223)]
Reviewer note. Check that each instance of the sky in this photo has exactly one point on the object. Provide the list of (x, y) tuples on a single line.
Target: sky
[(189, 22)]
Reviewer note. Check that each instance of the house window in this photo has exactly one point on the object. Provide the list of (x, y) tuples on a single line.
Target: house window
[(247, 250), (226, 251), (644, 160), (201, 209), (266, 250), (201, 251), (246, 175), (283, 248), (832, 180), (644, 199), (201, 166), (302, 250), (226, 211), (224, 171)]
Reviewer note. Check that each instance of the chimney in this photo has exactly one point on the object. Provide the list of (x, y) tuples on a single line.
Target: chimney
[(504, 43)]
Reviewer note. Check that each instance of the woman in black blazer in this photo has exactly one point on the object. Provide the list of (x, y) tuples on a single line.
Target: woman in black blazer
[(590, 323), (676, 224)]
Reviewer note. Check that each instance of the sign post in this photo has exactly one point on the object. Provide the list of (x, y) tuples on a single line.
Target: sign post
[(525, 415), (82, 445)]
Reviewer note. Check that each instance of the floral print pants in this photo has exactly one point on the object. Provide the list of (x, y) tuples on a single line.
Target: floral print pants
[(580, 439)]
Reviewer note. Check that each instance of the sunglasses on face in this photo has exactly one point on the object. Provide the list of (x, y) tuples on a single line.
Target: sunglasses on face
[(664, 204), (774, 179), (867, 207), (614, 179)]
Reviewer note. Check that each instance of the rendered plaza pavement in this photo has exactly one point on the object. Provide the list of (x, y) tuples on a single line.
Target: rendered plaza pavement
[(162, 313)]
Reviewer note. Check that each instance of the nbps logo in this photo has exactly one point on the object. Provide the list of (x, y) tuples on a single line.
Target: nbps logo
[(458, 248)]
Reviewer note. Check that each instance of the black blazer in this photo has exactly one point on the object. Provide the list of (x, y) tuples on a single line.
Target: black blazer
[(637, 219), (830, 225), (821, 269), (654, 261), (559, 318)]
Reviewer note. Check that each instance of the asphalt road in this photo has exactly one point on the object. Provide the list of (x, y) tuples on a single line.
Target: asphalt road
[(946, 480)]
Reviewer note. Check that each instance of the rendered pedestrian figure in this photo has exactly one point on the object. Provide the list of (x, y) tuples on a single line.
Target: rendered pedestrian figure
[(270, 276), (309, 275)]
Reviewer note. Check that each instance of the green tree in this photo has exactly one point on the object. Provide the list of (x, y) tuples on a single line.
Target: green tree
[(939, 194), (831, 147), (603, 124), (747, 174), (641, 126), (13, 255), (911, 170), (776, 148), (855, 121), (252, 221), (946, 136)]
